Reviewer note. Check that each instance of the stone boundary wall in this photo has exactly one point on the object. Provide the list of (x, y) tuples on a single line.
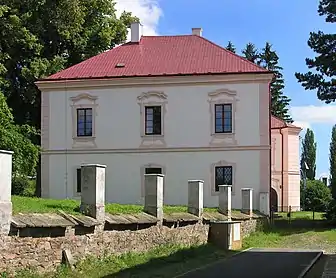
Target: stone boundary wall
[(45, 253)]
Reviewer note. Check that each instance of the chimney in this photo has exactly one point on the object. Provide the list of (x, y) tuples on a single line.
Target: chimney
[(197, 31), (136, 32)]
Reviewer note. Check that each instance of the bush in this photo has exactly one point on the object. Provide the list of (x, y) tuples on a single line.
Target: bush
[(316, 197), (20, 185), (331, 212)]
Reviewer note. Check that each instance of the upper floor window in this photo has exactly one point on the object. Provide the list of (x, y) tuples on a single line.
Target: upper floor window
[(84, 122), (154, 170), (153, 120), (223, 176), (223, 118)]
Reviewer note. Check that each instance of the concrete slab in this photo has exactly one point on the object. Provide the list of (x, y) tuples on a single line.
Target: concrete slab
[(259, 263)]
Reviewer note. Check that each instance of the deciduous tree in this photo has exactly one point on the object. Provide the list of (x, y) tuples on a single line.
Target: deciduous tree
[(332, 162)]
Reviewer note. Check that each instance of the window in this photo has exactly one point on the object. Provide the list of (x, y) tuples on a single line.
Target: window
[(223, 176), (84, 122), (153, 171), (153, 120), (223, 118), (79, 180)]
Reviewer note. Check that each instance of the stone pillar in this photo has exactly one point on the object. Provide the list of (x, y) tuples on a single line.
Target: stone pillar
[(154, 195), (5, 189), (195, 197), (264, 203), (247, 199), (93, 191), (225, 200)]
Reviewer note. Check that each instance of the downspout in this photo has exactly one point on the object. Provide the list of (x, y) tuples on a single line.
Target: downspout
[(282, 168)]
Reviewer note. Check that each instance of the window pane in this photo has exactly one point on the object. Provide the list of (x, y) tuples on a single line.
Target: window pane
[(227, 172), (228, 114), (149, 117), (219, 128), (219, 115), (218, 108), (227, 121), (227, 107), (88, 112), (149, 111), (149, 130), (80, 112), (149, 124), (219, 121), (153, 171)]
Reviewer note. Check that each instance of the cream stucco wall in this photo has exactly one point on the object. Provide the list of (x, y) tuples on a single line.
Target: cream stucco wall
[(123, 174), (186, 123), (188, 149)]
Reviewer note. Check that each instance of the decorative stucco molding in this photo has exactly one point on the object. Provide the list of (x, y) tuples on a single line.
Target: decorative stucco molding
[(83, 100), (222, 96), (222, 163), (152, 98), (142, 176)]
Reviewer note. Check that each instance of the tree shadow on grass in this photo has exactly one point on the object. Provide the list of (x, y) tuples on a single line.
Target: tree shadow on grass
[(176, 263)]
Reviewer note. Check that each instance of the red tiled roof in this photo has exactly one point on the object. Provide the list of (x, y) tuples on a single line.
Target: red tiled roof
[(161, 55), (278, 123)]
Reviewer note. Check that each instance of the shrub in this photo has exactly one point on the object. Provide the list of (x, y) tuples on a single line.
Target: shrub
[(20, 185), (331, 212), (316, 196)]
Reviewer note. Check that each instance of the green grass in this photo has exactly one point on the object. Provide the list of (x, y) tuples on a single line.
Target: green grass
[(165, 261), (39, 205), (319, 238), (301, 215)]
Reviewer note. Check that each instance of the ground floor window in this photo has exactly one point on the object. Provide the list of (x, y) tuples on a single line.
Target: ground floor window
[(154, 170), (79, 180), (223, 176)]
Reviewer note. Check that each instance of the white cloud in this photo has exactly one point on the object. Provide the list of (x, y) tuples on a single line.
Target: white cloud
[(302, 124), (305, 116), (148, 11)]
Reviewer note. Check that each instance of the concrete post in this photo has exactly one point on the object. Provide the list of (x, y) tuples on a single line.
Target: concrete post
[(195, 197), (5, 189), (247, 199), (225, 200), (264, 203), (154, 195), (93, 191)]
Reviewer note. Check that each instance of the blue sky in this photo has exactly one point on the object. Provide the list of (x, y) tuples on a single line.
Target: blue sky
[(285, 24)]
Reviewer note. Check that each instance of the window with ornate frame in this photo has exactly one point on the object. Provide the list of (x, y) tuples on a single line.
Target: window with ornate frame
[(84, 108), (222, 173), (222, 108), (153, 109)]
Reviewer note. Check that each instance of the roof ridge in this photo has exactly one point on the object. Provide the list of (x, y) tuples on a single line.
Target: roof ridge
[(234, 54)]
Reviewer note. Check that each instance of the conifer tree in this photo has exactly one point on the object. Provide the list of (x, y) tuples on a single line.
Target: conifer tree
[(308, 155), (231, 47), (332, 162)]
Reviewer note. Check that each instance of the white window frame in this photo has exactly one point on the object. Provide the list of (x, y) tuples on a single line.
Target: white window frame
[(222, 163), (222, 96), (77, 103)]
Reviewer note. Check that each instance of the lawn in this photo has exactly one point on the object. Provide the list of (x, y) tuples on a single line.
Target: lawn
[(39, 205), (165, 261), (319, 238), (300, 215)]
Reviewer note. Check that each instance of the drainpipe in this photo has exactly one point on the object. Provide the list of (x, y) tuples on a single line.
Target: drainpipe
[(282, 168)]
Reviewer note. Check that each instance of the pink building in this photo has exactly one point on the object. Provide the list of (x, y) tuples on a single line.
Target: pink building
[(285, 165)]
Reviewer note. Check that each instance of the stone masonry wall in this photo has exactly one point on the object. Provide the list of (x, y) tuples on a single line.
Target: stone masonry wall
[(45, 253)]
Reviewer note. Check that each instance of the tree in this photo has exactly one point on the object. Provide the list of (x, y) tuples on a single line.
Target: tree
[(231, 47), (250, 52), (332, 162), (324, 79), (41, 37), (308, 155), (316, 196), (279, 102), (15, 138)]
